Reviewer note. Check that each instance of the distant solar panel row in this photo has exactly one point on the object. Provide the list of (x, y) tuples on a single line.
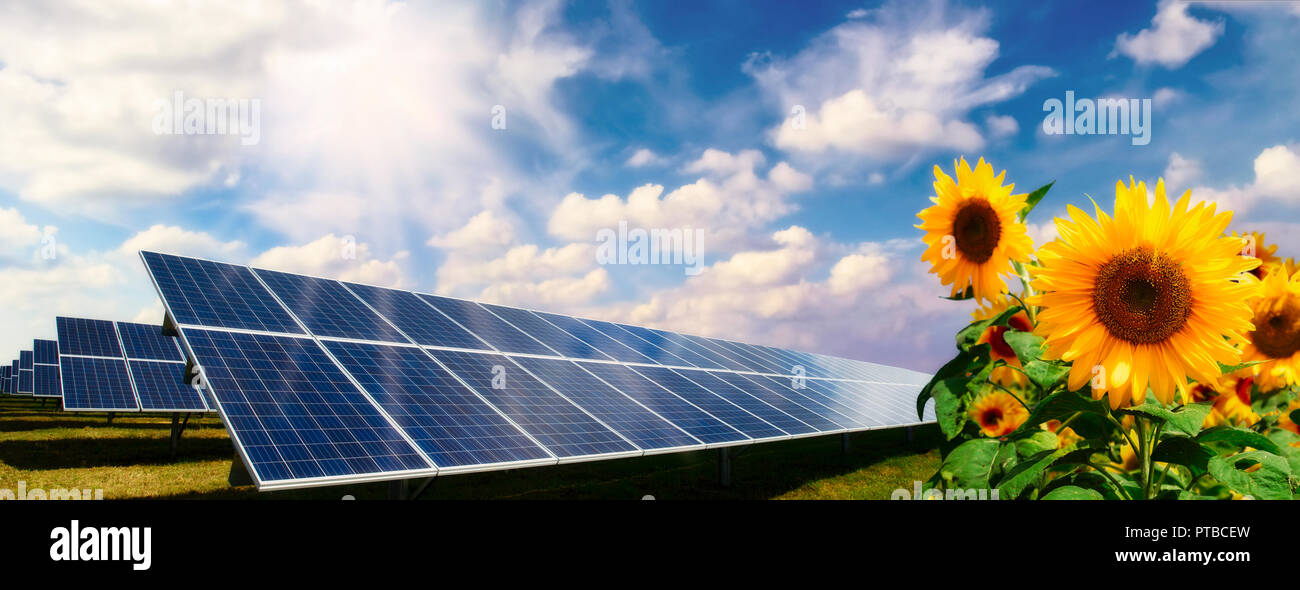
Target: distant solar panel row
[(6, 372), (109, 366), (323, 382)]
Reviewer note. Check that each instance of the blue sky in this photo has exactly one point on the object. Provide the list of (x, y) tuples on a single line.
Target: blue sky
[(375, 129)]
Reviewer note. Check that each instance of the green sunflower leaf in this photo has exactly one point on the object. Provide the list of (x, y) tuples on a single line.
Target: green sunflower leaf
[(1034, 198), (1186, 419), (1046, 374), (1225, 369), (1025, 473), (1072, 493), (948, 405), (963, 364), (1036, 443), (1239, 437), (1061, 405), (1184, 451), (969, 293), (972, 464), (1271, 481), (1027, 345)]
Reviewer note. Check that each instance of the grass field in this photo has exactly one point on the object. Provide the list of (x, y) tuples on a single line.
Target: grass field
[(131, 459)]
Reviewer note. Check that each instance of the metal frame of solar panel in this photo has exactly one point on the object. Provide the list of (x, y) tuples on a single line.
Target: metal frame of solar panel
[(107, 366), (322, 382)]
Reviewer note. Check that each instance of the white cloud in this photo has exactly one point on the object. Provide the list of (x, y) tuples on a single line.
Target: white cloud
[(876, 179), (1165, 96), (729, 202), (1181, 171), (171, 239), (336, 257), (1002, 125), (486, 230), (644, 157), (891, 85), (17, 236), (1277, 177), (1174, 38)]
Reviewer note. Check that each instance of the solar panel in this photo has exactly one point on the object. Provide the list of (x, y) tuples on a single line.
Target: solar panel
[(146, 342), (632, 420), (327, 308), (323, 382), (13, 378), (45, 365), (204, 293), (492, 329), (5, 374), (85, 337), (162, 387), (295, 415), (46, 352), (546, 415), (446, 418), (415, 318), (95, 384), (109, 366), (26, 380)]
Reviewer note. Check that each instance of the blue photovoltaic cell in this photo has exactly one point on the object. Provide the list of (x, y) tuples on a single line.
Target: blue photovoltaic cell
[(489, 327), (327, 308), (162, 387), (46, 381), (759, 362), (595, 338), (810, 399), (559, 340), (87, 337), (672, 345), (452, 425), (25, 381), (203, 293), (630, 340), (728, 358), (46, 352), (810, 416), (661, 401), (143, 341), (13, 378), (25, 360), (294, 413), (731, 414), (424, 324), (895, 402), (96, 384), (4, 379), (560, 426), (846, 401), (740, 394), (638, 424)]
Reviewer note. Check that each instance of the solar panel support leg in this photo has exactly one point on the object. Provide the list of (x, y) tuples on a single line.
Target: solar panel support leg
[(239, 473), (399, 489), (724, 467), (910, 437), (844, 443), (110, 417), (178, 428)]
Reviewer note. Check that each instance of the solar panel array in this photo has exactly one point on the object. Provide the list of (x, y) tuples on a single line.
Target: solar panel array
[(106, 366), (6, 372), (323, 382)]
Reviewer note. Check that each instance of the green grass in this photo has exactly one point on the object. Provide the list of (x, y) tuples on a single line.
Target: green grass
[(131, 459)]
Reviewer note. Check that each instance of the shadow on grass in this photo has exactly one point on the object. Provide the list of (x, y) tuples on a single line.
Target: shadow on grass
[(758, 472), (63, 453)]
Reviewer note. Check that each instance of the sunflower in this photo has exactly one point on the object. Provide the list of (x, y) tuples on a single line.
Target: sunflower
[(1149, 297), (1231, 397), (1285, 422), (1254, 244), (1276, 337), (972, 233), (998, 413), (993, 336)]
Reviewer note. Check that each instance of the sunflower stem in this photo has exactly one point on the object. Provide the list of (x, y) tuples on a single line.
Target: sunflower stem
[(1023, 274), (1113, 481)]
